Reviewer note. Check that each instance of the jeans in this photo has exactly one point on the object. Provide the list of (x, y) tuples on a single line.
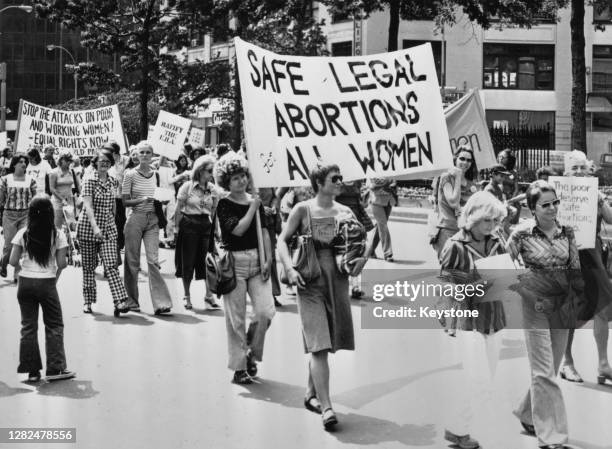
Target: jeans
[(12, 221), (32, 293), (543, 405), (248, 280), (382, 234), (142, 227)]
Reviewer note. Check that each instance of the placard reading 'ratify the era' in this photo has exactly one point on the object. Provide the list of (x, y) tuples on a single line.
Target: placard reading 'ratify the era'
[(578, 208), (169, 134), (80, 132), (375, 116)]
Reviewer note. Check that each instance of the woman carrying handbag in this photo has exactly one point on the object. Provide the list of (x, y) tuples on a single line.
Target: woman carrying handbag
[(236, 215), (323, 301)]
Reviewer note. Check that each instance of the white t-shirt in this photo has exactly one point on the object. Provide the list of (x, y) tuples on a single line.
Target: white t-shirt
[(38, 172), (29, 267)]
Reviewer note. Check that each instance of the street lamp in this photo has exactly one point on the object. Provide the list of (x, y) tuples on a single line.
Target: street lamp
[(59, 47), (27, 9)]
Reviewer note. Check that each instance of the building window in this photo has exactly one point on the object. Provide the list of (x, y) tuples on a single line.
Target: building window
[(601, 14), (602, 68), (341, 17), (436, 48), (517, 66), (342, 48)]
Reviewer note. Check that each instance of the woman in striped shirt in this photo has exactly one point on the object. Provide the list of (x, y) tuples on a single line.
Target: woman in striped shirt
[(16, 191), (142, 226)]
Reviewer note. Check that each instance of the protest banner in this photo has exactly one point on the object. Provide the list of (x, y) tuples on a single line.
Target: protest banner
[(197, 137), (3, 140), (578, 208), (169, 134), (467, 125), (80, 132), (374, 116)]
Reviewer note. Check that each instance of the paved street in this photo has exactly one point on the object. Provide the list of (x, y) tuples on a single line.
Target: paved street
[(161, 382)]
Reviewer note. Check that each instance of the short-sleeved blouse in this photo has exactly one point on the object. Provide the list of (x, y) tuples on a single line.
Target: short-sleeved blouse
[(447, 213), (197, 200), (229, 214)]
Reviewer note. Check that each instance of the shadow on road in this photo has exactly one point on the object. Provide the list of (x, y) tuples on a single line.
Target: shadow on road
[(361, 429), (126, 318), (6, 391), (366, 394), (607, 388), (179, 318), (353, 428), (73, 389), (512, 349)]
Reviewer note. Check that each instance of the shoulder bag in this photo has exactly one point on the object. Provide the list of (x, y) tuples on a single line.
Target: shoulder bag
[(219, 264), (304, 258), (162, 222)]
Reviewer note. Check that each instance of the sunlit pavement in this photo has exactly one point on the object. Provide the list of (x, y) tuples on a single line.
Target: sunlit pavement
[(161, 382)]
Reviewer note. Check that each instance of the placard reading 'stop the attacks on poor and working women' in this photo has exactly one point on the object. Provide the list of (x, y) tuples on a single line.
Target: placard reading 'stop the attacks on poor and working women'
[(375, 116), (80, 132)]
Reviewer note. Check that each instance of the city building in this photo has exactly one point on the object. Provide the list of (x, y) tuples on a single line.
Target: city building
[(35, 63)]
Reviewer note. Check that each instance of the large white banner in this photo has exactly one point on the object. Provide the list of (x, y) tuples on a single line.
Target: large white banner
[(578, 208), (80, 132), (375, 116), (169, 134)]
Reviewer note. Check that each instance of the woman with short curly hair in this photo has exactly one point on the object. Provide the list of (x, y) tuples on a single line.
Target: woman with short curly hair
[(236, 213)]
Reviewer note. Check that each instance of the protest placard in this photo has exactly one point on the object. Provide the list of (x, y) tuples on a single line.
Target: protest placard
[(80, 132), (3, 140), (169, 134), (578, 208), (197, 137), (467, 125), (374, 116)]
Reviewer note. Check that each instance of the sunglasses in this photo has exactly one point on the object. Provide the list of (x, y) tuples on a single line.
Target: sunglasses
[(104, 162), (548, 204), (336, 178), (464, 159)]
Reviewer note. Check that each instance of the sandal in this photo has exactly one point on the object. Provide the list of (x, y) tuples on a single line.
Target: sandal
[(121, 307), (312, 403), (87, 308), (187, 303), (529, 428), (570, 374), (329, 418)]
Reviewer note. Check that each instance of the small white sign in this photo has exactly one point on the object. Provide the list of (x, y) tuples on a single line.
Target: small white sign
[(169, 134)]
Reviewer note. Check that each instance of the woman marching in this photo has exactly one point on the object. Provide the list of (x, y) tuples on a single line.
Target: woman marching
[(548, 292), (63, 185), (598, 291), (16, 191), (196, 204), (97, 233), (142, 226), (453, 190), (41, 251), (477, 336), (323, 303), (236, 213)]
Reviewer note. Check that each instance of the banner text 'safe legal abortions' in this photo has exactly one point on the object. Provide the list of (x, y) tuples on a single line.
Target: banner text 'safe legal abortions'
[(375, 116)]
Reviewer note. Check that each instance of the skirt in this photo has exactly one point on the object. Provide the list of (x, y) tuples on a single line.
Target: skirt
[(192, 246), (325, 309)]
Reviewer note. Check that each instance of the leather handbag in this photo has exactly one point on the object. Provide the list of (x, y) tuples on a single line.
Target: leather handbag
[(304, 258), (219, 265)]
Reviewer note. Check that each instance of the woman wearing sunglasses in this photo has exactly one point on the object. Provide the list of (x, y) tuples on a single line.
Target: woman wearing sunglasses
[(454, 189), (548, 290), (598, 292), (323, 303)]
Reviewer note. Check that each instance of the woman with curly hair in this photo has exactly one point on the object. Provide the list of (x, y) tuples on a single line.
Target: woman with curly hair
[(236, 213)]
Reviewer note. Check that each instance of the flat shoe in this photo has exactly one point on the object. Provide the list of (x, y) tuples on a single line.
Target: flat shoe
[(329, 419), (34, 376), (87, 308), (312, 404), (570, 374), (187, 303), (162, 311), (463, 441), (529, 428)]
